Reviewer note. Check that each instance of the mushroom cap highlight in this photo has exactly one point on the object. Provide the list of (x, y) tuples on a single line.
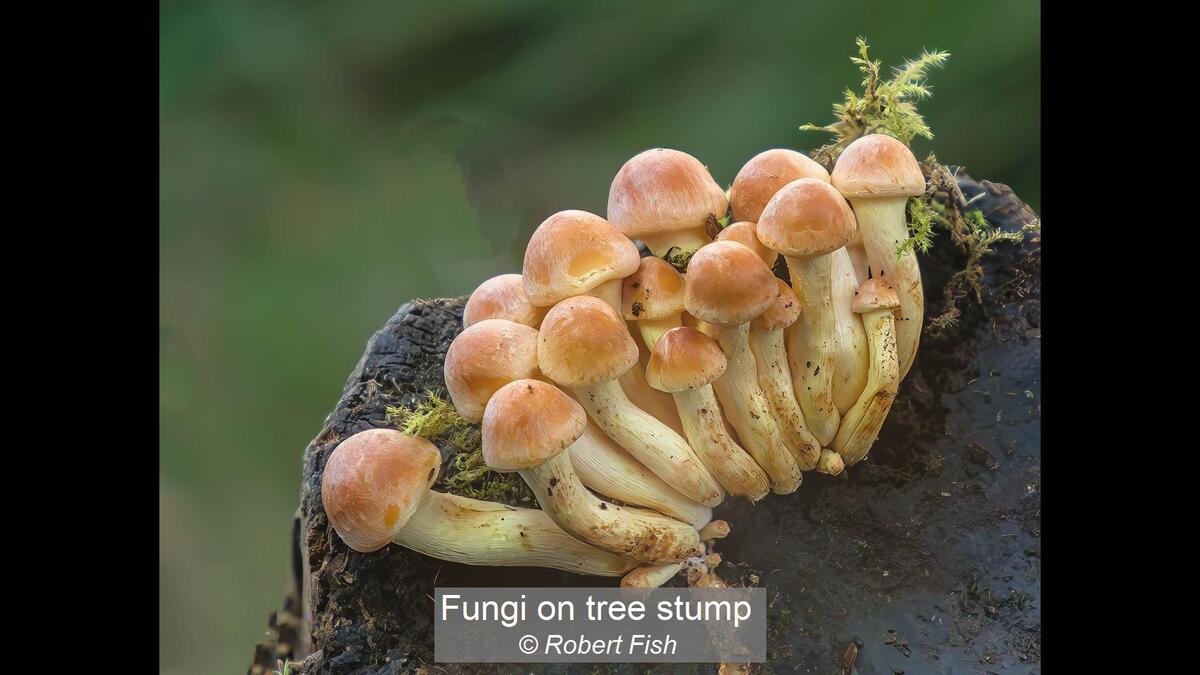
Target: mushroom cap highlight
[(761, 177), (878, 165), (746, 234), (782, 313), (684, 358), (487, 356), (527, 423), (728, 284), (373, 483), (571, 253), (502, 297), (584, 342), (663, 190), (875, 294), (806, 218), (654, 291)]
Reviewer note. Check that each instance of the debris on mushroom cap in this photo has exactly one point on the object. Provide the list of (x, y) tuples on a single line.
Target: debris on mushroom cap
[(717, 529), (762, 177), (728, 284), (782, 313), (485, 357), (684, 358), (806, 218), (373, 482), (502, 297), (527, 422), (654, 291), (583, 341), (878, 165), (745, 234), (571, 253), (663, 190), (875, 294)]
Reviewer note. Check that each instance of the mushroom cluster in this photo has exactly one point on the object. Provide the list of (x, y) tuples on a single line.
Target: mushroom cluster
[(632, 394)]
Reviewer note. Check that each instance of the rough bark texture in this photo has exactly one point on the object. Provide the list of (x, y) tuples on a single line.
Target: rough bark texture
[(925, 558)]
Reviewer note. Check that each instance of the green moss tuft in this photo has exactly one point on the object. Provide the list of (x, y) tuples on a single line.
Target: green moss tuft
[(884, 107)]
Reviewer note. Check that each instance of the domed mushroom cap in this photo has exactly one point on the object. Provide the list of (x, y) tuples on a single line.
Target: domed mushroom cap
[(728, 284), (684, 358), (878, 166), (485, 357), (782, 313), (745, 233), (663, 190), (527, 423), (654, 291), (762, 177), (806, 218), (502, 297), (584, 342), (875, 294), (571, 253), (373, 483)]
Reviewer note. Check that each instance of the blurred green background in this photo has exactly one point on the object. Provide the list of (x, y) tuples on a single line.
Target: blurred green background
[(322, 163)]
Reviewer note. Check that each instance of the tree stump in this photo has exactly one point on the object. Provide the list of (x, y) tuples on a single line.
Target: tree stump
[(923, 558)]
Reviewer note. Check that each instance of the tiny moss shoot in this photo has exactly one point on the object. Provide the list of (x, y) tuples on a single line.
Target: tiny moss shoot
[(464, 473)]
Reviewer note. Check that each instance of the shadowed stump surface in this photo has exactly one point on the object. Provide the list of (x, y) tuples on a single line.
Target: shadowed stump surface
[(925, 558)]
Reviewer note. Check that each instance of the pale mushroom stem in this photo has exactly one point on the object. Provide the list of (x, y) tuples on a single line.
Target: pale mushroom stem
[(811, 348), (850, 368), (685, 240), (643, 535), (610, 292), (737, 472), (641, 394), (604, 467), (775, 378), (653, 329), (475, 532), (861, 425), (884, 231), (748, 410), (650, 441), (858, 256)]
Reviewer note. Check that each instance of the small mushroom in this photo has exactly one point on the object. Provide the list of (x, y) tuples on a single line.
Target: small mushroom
[(494, 352), (775, 376), (878, 174), (727, 286), (806, 221), (584, 347), (530, 427), (502, 297), (685, 362), (761, 177), (653, 298), (877, 301), (665, 198), (651, 576), (376, 490)]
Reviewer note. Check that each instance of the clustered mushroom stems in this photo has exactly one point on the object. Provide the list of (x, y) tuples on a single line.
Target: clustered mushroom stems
[(661, 387), (530, 427), (876, 302), (493, 352), (376, 490)]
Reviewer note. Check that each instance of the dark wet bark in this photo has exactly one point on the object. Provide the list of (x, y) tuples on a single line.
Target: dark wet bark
[(927, 556)]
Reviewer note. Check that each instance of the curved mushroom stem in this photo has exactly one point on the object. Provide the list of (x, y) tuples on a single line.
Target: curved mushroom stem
[(475, 532), (748, 410), (644, 535), (686, 241), (858, 256), (604, 467), (861, 425), (737, 472), (657, 403), (883, 225), (775, 378), (610, 292), (850, 368), (811, 345), (651, 576), (650, 441)]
